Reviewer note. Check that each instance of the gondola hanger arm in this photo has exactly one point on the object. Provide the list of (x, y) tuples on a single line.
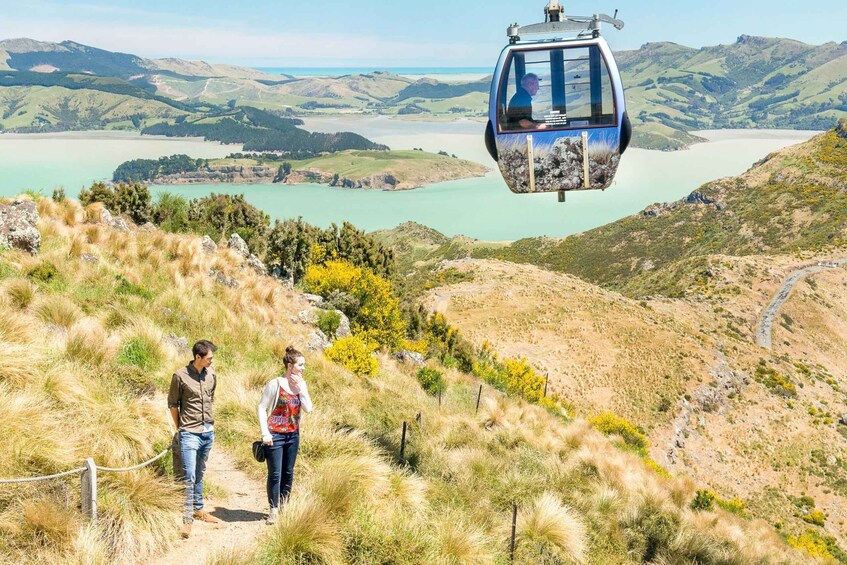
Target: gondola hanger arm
[(555, 21)]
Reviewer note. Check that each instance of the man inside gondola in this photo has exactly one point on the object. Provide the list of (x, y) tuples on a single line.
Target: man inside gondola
[(519, 111)]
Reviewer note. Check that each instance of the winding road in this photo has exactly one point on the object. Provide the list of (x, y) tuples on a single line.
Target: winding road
[(763, 332)]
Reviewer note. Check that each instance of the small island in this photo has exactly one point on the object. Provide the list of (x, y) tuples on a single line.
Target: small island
[(366, 169)]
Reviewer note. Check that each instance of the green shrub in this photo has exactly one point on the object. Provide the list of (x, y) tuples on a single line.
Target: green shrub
[(611, 424), (703, 500), (221, 215), (59, 194), (354, 354), (98, 192), (170, 213), (431, 380), (328, 322), (141, 352), (773, 381), (44, 272), (132, 289), (134, 201)]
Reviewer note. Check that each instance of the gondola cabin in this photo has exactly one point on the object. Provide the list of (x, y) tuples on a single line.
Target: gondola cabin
[(557, 115)]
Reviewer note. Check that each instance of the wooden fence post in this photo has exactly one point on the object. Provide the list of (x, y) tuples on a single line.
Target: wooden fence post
[(514, 523), (403, 443), (89, 490), (478, 396), (546, 380)]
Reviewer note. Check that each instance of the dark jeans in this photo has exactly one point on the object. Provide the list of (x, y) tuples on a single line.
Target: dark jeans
[(280, 458)]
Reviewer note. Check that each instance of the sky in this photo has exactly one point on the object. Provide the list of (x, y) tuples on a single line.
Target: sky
[(418, 33)]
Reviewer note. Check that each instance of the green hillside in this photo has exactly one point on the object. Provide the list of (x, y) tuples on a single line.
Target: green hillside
[(55, 108), (755, 82), (792, 200)]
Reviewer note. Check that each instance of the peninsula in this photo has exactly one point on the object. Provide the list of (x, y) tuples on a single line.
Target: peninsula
[(372, 169)]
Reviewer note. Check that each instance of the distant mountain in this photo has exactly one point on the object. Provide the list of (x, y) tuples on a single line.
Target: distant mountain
[(754, 82), (671, 90), (25, 54)]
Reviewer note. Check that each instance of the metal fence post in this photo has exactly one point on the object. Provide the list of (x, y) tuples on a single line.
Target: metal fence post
[(89, 489), (546, 380)]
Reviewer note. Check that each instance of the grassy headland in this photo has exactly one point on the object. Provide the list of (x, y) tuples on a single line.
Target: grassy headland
[(85, 347)]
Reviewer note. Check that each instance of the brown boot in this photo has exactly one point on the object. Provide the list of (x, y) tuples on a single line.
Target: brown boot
[(185, 532), (206, 517)]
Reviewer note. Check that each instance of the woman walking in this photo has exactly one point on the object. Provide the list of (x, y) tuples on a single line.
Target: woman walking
[(279, 410)]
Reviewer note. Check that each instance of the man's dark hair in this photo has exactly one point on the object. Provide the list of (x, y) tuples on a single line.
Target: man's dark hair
[(203, 347)]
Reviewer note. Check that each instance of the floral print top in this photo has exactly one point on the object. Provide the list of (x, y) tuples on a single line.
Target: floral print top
[(286, 415)]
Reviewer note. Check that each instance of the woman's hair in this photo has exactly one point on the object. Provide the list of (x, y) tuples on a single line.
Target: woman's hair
[(291, 356)]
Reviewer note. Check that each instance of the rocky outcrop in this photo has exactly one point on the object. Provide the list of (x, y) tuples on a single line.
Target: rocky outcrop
[(222, 279), (317, 341), (208, 246), (19, 226), (409, 357), (238, 245), (236, 174), (117, 223), (711, 398)]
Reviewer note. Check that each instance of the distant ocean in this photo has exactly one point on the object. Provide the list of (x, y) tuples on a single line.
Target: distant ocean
[(339, 71)]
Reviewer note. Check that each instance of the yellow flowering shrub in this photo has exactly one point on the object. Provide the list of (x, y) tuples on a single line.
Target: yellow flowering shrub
[(612, 424), (354, 354), (378, 316)]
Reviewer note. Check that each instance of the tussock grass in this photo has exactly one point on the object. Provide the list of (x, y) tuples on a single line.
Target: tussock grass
[(136, 512), (550, 525), (15, 327), (19, 364), (20, 292), (59, 311), (88, 343), (305, 532), (461, 543), (48, 523)]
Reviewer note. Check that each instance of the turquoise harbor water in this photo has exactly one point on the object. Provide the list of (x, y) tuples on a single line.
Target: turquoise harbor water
[(482, 208)]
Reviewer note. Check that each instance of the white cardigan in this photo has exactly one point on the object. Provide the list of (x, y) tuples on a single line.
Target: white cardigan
[(269, 398)]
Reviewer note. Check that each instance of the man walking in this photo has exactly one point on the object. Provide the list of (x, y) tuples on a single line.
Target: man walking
[(190, 401)]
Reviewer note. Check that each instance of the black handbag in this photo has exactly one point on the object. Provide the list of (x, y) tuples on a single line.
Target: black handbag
[(259, 451)]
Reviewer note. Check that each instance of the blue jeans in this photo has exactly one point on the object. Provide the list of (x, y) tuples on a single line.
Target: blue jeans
[(194, 449), (280, 458)]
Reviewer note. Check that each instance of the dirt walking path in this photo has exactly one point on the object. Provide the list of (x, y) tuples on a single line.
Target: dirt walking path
[(242, 508), (763, 332)]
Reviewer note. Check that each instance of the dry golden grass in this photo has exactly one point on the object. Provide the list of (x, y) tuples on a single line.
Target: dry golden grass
[(20, 292), (136, 513), (461, 543), (551, 525), (305, 531), (20, 365), (48, 523), (88, 343), (58, 310)]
